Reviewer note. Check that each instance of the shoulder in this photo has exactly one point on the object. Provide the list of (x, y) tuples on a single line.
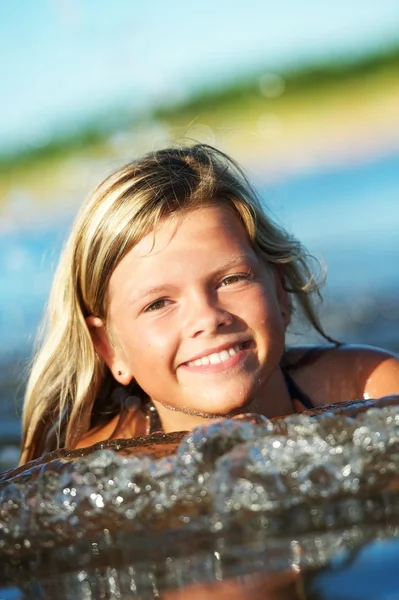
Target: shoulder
[(359, 356), (98, 434), (348, 371), (133, 425), (376, 370)]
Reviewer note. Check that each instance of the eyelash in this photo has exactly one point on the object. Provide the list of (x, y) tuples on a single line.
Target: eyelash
[(238, 277), (152, 307)]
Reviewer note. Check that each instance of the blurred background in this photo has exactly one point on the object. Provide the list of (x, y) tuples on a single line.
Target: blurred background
[(304, 94)]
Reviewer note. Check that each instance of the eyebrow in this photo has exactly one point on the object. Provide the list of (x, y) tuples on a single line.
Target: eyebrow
[(153, 291), (167, 287)]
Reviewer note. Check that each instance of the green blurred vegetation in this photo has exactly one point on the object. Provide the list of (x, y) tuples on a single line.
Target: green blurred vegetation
[(303, 80), (215, 106)]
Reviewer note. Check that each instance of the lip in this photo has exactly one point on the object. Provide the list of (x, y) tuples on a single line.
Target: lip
[(216, 349)]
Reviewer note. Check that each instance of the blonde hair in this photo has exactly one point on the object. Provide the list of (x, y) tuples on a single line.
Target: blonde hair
[(67, 375)]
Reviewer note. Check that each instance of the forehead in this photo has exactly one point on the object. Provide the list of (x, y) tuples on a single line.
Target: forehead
[(184, 242), (211, 226)]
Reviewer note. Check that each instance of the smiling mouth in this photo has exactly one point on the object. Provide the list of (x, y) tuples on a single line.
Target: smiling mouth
[(217, 357)]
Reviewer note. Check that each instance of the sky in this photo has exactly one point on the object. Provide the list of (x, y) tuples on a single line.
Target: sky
[(64, 61)]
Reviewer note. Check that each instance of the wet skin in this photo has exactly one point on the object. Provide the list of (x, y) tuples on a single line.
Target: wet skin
[(198, 320), (196, 288)]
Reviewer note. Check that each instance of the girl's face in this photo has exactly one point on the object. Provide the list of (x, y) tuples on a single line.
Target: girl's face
[(195, 317)]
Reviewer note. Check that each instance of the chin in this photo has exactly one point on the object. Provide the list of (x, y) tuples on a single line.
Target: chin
[(223, 409)]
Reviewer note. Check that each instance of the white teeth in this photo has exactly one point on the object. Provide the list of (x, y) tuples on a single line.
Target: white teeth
[(224, 355), (216, 357)]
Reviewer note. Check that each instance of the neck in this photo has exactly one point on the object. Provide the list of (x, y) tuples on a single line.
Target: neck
[(178, 419), (272, 400)]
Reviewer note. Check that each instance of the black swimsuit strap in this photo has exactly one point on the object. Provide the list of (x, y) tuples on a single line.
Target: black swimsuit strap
[(295, 391)]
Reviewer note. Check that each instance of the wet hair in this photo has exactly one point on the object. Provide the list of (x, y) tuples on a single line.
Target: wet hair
[(67, 392)]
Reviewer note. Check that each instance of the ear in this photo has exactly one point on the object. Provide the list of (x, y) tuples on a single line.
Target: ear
[(282, 295), (106, 350)]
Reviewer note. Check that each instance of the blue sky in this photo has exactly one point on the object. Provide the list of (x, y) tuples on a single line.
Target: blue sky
[(65, 60)]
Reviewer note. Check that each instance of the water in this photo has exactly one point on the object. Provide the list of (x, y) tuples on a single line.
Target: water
[(349, 218), (309, 499)]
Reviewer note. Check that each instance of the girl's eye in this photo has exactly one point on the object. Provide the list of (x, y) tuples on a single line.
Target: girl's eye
[(157, 305), (235, 278)]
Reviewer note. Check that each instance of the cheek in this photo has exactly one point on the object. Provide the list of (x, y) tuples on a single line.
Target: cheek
[(263, 305), (148, 347), (265, 318)]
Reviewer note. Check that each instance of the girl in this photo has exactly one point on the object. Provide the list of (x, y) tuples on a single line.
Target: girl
[(169, 309)]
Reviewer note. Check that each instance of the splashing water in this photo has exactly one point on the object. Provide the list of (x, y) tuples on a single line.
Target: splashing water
[(204, 506)]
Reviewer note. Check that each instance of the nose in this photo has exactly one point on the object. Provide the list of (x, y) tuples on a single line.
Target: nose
[(205, 316)]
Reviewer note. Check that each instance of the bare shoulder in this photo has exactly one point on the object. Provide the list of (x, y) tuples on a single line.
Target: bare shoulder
[(345, 372), (377, 370), (99, 434), (134, 425)]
